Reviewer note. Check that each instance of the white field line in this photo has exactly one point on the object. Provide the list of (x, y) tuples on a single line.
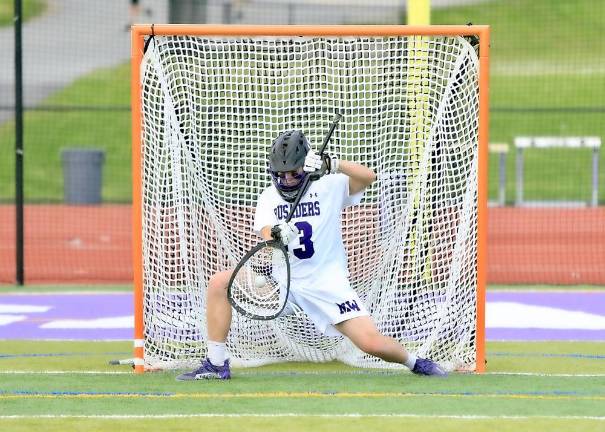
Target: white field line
[(296, 415), (539, 374), (96, 372), (544, 68)]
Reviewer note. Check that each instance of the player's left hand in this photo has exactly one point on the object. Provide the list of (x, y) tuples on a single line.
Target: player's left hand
[(285, 231)]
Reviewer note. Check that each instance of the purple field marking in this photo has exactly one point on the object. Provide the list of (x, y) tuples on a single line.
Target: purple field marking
[(98, 306), (580, 301), (516, 334), (584, 301), (69, 306)]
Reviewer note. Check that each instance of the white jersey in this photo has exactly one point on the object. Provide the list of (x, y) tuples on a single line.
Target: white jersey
[(318, 261), (319, 245)]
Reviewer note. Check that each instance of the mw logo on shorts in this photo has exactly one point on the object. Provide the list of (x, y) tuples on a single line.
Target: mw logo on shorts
[(348, 306)]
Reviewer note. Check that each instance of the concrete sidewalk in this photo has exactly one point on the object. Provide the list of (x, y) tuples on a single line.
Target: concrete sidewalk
[(72, 38)]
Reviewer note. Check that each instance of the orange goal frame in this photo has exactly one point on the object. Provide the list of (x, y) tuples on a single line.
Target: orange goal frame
[(138, 35)]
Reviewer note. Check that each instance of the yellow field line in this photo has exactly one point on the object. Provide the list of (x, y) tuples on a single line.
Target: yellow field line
[(294, 395), (353, 416)]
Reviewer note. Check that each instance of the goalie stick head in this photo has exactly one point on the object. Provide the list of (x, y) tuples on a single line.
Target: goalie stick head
[(288, 153)]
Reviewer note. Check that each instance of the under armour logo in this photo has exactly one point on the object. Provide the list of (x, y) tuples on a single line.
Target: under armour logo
[(348, 306)]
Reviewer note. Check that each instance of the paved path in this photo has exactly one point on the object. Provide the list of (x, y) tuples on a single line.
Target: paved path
[(537, 315), (73, 38)]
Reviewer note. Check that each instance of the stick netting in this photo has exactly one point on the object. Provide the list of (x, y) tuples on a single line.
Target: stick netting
[(211, 107)]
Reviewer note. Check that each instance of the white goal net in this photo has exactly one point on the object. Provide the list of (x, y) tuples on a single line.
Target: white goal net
[(211, 107)]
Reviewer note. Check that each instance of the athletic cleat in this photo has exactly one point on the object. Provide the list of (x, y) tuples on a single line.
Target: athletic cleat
[(207, 371), (428, 367)]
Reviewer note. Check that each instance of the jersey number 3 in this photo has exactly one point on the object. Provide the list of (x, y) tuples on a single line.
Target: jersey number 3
[(304, 237)]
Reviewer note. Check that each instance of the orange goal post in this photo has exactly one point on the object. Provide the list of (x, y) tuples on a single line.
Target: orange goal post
[(207, 101)]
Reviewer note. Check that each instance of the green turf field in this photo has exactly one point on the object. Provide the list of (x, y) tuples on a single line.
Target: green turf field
[(30, 9), (529, 58), (530, 386)]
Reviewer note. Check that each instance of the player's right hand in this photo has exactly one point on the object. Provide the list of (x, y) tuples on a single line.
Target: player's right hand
[(319, 165), (284, 231), (314, 163)]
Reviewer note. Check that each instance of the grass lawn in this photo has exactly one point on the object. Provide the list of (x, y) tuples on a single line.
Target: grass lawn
[(30, 9), (535, 33), (47, 133), (539, 67)]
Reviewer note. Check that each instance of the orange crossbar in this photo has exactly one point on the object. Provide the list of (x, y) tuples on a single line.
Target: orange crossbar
[(140, 31), (307, 30)]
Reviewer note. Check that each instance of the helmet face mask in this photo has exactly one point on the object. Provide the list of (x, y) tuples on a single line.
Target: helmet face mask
[(288, 183), (286, 160)]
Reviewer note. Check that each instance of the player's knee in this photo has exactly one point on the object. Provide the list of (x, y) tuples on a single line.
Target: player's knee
[(217, 285)]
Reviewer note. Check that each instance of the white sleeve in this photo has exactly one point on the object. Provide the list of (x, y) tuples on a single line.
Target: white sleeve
[(264, 213), (347, 200)]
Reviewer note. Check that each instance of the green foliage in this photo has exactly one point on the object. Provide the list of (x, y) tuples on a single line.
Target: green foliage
[(546, 78), (106, 126), (30, 9)]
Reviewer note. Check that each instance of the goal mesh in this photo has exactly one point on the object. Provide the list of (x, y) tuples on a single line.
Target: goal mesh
[(211, 107)]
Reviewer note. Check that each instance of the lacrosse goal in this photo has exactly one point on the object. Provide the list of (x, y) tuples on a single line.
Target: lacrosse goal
[(208, 101)]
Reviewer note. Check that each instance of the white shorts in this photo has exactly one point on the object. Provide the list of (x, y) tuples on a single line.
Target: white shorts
[(326, 305)]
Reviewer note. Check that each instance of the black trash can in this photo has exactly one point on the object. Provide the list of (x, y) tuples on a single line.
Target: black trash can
[(187, 11), (82, 175)]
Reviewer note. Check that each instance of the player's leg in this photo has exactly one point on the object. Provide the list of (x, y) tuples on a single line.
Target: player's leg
[(218, 318), (218, 308), (363, 333)]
